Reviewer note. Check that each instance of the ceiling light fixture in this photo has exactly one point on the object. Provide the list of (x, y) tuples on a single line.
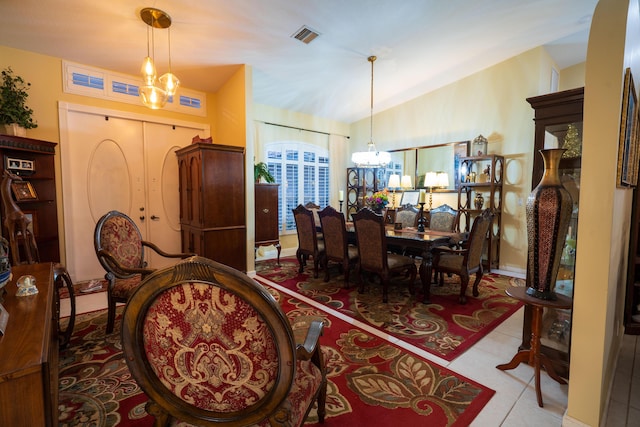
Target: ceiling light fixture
[(156, 91), (371, 158)]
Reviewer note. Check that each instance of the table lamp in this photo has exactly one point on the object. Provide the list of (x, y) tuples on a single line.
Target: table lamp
[(431, 181), (394, 182)]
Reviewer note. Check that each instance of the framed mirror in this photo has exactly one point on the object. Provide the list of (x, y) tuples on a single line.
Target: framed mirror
[(416, 162)]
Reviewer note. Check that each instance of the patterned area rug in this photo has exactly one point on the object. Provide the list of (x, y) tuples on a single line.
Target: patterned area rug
[(370, 381), (444, 328)]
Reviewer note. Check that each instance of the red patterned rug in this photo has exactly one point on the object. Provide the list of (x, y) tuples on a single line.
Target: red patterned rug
[(370, 381), (444, 328)]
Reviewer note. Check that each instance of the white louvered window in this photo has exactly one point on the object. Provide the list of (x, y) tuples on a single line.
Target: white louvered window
[(302, 170)]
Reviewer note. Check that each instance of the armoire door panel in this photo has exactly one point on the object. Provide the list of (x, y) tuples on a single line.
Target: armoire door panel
[(222, 211)]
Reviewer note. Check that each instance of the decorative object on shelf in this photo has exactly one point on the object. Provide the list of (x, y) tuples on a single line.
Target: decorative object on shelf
[(377, 201), (479, 146), (19, 165), (23, 190), (156, 91), (479, 201), (15, 115), (572, 142), (26, 286), (261, 172), (371, 158), (549, 209)]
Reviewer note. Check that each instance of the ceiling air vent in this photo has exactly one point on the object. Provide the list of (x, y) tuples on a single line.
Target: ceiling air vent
[(305, 34)]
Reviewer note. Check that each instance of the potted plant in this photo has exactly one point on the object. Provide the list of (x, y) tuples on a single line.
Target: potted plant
[(261, 171), (14, 111)]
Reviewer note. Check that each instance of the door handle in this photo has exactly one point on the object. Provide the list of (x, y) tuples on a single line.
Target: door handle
[(155, 218)]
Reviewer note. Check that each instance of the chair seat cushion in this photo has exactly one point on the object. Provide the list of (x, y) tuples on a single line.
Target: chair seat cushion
[(395, 261), (450, 262), (123, 288), (353, 252)]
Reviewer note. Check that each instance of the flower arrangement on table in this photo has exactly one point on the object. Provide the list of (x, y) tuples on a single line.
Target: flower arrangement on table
[(378, 200)]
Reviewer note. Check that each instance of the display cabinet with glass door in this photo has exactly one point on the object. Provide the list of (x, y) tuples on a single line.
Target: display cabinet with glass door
[(558, 124)]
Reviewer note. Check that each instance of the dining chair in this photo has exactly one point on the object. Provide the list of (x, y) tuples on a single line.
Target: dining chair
[(468, 260), (407, 215), (120, 250), (374, 257), (443, 218), (336, 246), (308, 243), (210, 346)]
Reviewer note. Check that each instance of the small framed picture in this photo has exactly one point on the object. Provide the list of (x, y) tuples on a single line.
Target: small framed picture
[(33, 222), (409, 198), (15, 164), (23, 190)]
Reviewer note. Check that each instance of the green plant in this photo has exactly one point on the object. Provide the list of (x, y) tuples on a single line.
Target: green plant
[(13, 100), (260, 170)]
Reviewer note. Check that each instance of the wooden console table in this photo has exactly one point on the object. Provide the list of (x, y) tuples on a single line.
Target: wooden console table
[(29, 352), (533, 356)]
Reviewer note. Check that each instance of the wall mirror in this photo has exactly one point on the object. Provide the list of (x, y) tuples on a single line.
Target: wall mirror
[(416, 162)]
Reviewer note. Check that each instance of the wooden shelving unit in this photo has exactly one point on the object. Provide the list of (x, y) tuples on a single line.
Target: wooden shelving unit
[(491, 190)]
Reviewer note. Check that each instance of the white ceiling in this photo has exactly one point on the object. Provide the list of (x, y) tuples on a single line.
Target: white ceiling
[(420, 44)]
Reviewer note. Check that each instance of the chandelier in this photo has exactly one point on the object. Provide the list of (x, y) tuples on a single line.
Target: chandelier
[(371, 158), (156, 91)]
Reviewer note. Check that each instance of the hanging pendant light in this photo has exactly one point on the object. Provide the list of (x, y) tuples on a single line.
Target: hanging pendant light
[(371, 158), (156, 92)]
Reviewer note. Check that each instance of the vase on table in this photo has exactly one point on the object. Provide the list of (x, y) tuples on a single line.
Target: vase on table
[(549, 209)]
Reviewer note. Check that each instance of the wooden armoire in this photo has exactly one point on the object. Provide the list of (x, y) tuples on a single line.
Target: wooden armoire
[(212, 202), (266, 214)]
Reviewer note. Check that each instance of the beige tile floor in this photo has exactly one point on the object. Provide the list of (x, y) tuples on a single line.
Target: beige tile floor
[(514, 403)]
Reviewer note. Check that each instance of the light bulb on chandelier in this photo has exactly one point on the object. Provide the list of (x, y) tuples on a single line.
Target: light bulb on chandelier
[(155, 92)]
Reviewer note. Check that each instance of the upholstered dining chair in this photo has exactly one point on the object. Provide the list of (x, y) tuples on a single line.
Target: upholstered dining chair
[(374, 257), (120, 250), (407, 215), (210, 346), (336, 246), (443, 218), (468, 260), (308, 243)]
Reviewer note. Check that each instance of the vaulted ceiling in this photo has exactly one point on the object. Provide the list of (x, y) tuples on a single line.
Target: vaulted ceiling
[(421, 45)]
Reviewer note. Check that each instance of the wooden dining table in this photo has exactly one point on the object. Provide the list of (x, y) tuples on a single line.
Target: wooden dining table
[(424, 241)]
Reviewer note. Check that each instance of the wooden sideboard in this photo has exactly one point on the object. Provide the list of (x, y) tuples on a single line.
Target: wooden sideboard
[(29, 352)]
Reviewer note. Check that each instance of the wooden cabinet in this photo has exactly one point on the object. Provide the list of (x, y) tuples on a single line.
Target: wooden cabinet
[(558, 124), (29, 352), (632, 298), (480, 187), (266, 216), (212, 202), (43, 207), (360, 183)]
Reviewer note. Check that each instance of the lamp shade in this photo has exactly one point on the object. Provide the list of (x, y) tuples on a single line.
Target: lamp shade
[(431, 180), (406, 181), (442, 179), (394, 181)]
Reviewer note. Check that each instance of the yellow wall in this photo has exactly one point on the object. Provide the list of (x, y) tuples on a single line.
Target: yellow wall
[(603, 227), (230, 111)]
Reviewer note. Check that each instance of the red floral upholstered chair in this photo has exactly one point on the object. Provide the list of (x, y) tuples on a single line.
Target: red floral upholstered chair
[(210, 346), (120, 250)]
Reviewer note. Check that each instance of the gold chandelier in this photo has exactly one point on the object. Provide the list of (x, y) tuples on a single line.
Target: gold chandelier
[(371, 158), (156, 91)]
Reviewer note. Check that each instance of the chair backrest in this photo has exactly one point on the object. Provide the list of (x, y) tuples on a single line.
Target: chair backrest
[(477, 237), (315, 209), (444, 218), (118, 235), (306, 228), (372, 243), (208, 344), (407, 215), (335, 233)]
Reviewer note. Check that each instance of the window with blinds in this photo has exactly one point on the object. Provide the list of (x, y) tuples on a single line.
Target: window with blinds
[(302, 170)]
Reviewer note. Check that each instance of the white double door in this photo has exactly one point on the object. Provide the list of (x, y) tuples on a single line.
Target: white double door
[(114, 161)]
